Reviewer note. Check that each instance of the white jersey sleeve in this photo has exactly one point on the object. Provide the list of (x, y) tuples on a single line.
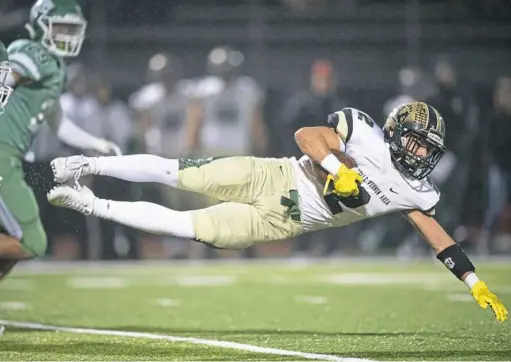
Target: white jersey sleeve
[(350, 123)]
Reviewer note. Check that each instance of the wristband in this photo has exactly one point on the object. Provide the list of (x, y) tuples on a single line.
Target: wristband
[(331, 164), (470, 280), (455, 259)]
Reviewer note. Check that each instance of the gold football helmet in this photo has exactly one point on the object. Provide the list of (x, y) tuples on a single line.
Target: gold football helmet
[(409, 127)]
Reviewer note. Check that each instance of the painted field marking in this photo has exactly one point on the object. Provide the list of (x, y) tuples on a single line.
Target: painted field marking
[(206, 342)]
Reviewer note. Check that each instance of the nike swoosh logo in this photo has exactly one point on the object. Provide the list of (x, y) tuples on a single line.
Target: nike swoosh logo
[(393, 191)]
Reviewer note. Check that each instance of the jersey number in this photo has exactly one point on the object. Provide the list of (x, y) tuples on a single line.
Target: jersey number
[(46, 109), (364, 117), (332, 200)]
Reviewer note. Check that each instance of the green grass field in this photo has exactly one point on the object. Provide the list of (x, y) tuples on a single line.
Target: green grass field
[(363, 310)]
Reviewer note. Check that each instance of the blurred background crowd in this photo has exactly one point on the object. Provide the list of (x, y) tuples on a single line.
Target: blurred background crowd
[(201, 78)]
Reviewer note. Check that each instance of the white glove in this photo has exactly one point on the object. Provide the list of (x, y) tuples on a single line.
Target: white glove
[(107, 147), (76, 137)]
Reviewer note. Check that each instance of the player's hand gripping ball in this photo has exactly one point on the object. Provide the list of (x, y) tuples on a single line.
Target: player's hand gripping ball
[(346, 182)]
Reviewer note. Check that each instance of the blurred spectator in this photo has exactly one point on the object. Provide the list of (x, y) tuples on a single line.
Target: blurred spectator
[(499, 145), (162, 106), (111, 119), (227, 115), (457, 105), (90, 104), (312, 106), (409, 79), (77, 102), (307, 108)]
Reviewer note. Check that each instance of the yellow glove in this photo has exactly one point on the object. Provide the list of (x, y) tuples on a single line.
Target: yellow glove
[(485, 298), (345, 183)]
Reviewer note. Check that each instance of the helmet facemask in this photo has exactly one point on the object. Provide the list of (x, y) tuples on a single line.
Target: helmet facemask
[(5, 90), (63, 35), (416, 152)]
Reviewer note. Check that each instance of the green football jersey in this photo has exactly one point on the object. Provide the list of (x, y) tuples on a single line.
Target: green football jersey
[(3, 53), (36, 98)]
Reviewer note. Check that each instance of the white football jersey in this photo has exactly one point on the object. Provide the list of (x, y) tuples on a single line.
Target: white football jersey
[(228, 113), (384, 189)]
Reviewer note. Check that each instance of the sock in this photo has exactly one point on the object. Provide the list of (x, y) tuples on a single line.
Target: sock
[(146, 216), (137, 168)]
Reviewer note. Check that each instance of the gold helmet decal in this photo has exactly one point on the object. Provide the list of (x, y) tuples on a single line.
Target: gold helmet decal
[(420, 114), (419, 125)]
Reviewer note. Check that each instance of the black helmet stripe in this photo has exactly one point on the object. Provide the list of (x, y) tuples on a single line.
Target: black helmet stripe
[(432, 119)]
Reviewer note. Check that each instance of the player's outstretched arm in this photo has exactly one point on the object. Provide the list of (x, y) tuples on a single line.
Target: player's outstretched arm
[(74, 136), (453, 257)]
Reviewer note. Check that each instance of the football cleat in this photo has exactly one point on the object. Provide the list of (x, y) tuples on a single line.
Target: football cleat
[(81, 200), (66, 168)]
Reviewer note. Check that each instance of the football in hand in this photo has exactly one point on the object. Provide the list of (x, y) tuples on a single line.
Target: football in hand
[(342, 157)]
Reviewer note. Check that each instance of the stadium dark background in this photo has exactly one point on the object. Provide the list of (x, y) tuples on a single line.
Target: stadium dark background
[(367, 42)]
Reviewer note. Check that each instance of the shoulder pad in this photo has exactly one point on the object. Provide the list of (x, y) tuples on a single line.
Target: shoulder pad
[(209, 86), (346, 120), (147, 96), (342, 123), (30, 59)]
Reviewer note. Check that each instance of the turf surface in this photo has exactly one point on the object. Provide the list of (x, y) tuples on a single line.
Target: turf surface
[(368, 310)]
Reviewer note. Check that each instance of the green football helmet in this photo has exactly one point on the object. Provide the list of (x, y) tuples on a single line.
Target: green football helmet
[(58, 25), (5, 69)]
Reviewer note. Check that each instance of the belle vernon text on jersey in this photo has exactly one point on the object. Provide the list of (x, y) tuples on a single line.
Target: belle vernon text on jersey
[(375, 188)]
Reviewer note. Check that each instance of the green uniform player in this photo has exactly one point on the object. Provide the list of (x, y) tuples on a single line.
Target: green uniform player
[(38, 76), (5, 69)]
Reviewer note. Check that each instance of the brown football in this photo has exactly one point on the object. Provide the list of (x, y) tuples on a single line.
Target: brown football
[(341, 156)]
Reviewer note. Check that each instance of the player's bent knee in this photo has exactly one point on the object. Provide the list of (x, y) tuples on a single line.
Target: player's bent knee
[(226, 242), (34, 241), (223, 244), (218, 236), (36, 249)]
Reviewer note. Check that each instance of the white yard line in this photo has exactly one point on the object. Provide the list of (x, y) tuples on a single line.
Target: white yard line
[(206, 342), (311, 299), (14, 305)]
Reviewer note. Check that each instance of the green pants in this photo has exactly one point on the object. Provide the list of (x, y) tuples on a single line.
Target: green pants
[(19, 213)]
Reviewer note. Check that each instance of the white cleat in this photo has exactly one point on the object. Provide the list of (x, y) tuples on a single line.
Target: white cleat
[(81, 200), (66, 168)]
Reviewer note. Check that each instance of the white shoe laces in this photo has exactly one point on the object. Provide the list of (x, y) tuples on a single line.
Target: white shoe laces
[(78, 173)]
